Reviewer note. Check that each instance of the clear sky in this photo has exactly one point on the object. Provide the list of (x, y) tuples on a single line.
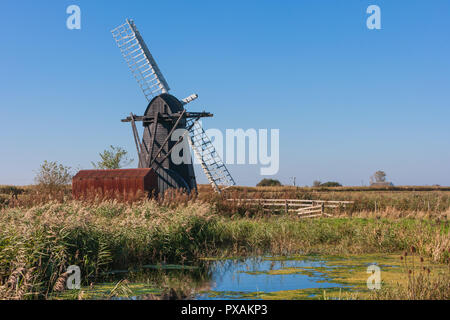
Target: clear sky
[(348, 101)]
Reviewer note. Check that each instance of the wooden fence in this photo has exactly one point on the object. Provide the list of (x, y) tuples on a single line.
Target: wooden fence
[(304, 208)]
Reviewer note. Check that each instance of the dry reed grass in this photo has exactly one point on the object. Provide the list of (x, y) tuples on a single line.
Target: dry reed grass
[(421, 283), (427, 202), (37, 244)]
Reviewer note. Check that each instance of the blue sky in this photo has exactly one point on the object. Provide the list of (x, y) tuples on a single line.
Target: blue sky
[(348, 101)]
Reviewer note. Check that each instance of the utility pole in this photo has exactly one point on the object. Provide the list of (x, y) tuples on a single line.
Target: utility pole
[(293, 180)]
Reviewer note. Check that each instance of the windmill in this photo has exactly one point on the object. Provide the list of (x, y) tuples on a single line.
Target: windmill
[(165, 114)]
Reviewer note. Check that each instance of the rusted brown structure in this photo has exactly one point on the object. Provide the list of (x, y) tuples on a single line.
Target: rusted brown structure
[(121, 184)]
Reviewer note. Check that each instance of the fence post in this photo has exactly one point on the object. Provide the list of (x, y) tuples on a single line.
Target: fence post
[(287, 207), (323, 208)]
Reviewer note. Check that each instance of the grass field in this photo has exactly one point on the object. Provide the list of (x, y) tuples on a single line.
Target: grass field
[(402, 201), (43, 233)]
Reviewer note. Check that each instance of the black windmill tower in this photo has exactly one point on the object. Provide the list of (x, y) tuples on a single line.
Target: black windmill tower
[(162, 117)]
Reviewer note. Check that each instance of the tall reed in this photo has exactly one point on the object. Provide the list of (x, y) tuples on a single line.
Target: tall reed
[(37, 244)]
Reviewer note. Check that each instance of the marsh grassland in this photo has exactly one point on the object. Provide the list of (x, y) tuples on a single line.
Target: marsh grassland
[(169, 248)]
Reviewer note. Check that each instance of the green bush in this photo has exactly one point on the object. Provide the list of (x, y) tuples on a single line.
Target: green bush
[(269, 183), (331, 184), (52, 175), (113, 158)]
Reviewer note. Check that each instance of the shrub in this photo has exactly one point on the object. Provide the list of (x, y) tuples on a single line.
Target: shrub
[(331, 184), (113, 158), (52, 175), (268, 183), (316, 183)]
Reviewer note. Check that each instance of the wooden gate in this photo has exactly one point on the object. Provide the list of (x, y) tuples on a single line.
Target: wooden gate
[(303, 208)]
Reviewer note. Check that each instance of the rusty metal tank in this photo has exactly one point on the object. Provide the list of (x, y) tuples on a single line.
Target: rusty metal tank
[(120, 184)]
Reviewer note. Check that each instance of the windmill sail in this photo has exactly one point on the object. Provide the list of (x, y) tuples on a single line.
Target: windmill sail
[(140, 60), (215, 170)]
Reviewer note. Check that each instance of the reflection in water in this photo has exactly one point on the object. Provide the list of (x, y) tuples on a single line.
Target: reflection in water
[(246, 278), (220, 279)]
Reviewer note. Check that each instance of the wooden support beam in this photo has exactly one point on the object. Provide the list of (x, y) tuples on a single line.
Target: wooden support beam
[(170, 117), (137, 140), (147, 154), (150, 152), (168, 137)]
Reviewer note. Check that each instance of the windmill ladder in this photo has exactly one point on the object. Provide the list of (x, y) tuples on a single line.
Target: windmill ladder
[(215, 170)]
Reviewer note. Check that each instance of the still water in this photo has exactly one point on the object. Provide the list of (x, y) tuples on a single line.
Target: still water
[(249, 278), (264, 277)]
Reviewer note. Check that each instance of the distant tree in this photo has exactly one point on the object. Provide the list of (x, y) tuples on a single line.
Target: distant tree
[(331, 184), (268, 183), (52, 175), (378, 177), (316, 183), (113, 158)]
